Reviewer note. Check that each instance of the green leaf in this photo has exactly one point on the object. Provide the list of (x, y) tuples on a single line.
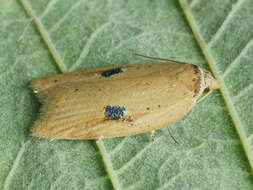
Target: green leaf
[(42, 37)]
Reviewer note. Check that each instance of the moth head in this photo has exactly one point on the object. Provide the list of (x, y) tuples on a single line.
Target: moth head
[(210, 83)]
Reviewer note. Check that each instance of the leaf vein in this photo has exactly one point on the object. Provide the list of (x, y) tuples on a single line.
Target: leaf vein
[(243, 92), (123, 42), (138, 155), (213, 65), (85, 50), (63, 18), (237, 59), (222, 28), (14, 166), (194, 3), (192, 171), (108, 165), (48, 8), (45, 35), (119, 146)]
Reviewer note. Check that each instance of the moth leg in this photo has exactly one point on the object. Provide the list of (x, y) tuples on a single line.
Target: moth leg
[(152, 136), (173, 136)]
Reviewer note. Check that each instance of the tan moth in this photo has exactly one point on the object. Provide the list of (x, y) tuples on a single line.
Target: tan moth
[(118, 101)]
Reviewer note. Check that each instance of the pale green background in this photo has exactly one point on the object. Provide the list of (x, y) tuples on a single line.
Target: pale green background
[(42, 37)]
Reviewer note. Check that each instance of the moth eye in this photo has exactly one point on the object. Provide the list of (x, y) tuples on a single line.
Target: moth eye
[(206, 90)]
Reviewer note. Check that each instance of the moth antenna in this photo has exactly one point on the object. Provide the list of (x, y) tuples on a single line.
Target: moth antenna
[(173, 136), (156, 58)]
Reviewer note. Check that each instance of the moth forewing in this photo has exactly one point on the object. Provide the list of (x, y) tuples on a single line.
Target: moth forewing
[(43, 84), (118, 101)]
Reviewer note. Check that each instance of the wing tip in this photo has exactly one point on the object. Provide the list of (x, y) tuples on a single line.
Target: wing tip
[(40, 131)]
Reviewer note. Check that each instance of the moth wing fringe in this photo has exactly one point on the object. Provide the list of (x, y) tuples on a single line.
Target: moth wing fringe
[(42, 116)]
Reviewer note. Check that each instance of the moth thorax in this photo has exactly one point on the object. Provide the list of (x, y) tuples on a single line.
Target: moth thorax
[(209, 82)]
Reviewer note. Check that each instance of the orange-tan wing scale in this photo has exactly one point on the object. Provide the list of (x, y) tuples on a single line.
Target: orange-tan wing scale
[(154, 95)]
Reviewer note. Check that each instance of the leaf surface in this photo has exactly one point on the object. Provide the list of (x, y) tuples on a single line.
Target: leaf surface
[(42, 37)]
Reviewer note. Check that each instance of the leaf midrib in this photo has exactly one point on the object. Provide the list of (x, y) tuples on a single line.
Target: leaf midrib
[(224, 91)]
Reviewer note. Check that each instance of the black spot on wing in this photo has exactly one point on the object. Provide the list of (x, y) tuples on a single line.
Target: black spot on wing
[(115, 112), (111, 72)]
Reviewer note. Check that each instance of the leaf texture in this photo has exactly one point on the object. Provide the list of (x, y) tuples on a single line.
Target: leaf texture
[(44, 37)]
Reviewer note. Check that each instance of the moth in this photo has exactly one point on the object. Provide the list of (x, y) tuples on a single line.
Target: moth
[(118, 101)]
